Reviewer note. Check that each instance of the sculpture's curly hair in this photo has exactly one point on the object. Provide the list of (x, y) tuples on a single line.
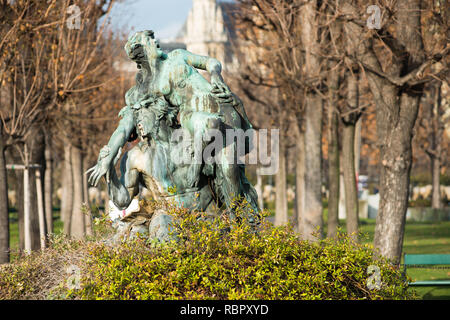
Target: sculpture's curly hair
[(164, 109)]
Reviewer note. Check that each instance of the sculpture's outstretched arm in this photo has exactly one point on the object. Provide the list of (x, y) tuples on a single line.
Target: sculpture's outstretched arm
[(110, 151), (213, 66)]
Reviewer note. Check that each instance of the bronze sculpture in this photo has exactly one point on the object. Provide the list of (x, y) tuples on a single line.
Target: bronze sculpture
[(170, 95)]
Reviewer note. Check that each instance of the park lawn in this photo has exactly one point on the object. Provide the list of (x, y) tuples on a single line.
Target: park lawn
[(420, 238)]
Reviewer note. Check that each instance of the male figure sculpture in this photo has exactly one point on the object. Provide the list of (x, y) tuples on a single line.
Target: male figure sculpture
[(171, 94)]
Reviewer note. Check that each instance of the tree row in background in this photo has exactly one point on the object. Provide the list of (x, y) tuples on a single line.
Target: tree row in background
[(59, 90), (322, 72), (330, 62)]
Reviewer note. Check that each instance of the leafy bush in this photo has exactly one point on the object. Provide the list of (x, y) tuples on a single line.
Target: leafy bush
[(220, 258)]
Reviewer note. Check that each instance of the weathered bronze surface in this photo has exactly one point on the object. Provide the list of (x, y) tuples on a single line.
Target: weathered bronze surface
[(170, 96)]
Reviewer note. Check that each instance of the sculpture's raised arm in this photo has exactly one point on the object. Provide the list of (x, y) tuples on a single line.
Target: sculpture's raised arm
[(213, 66)]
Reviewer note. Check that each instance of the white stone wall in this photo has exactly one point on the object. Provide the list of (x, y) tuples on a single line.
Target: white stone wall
[(205, 30)]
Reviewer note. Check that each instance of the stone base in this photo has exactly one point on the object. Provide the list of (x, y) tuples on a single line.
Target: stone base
[(155, 228)]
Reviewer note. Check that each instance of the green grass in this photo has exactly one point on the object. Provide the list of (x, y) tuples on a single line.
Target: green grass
[(422, 238)]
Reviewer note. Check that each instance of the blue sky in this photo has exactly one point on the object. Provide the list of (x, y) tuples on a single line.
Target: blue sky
[(165, 17)]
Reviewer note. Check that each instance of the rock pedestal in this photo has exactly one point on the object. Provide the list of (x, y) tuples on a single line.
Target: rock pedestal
[(155, 225)]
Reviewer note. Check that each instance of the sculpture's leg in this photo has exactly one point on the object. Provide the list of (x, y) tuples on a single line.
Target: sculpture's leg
[(231, 175), (122, 191), (251, 196), (129, 175), (198, 124), (228, 174), (232, 183)]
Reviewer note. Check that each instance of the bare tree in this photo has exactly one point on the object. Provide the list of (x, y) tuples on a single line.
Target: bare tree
[(430, 134), (394, 63), (312, 220), (24, 45), (79, 71), (334, 80), (275, 30)]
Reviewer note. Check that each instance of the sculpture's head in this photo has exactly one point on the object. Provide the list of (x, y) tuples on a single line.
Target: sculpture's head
[(142, 46), (147, 124), (149, 118)]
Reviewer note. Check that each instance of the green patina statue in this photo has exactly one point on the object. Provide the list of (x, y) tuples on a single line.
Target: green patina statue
[(171, 96)]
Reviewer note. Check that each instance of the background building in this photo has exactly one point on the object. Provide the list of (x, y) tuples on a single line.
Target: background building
[(209, 30)]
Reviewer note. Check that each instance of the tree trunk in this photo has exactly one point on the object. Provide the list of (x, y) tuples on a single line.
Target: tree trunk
[(436, 192), (27, 204), (34, 241), (348, 158), (436, 153), (333, 175), (396, 158), (397, 109), (20, 197), (351, 192), (358, 147), (26, 209), (67, 188), (48, 186), (311, 220), (40, 207), (85, 180), (37, 158), (333, 157), (300, 178), (281, 208), (396, 113), (77, 224), (4, 208), (333, 83), (35, 144)]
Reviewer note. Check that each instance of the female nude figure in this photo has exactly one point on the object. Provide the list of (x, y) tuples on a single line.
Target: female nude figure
[(174, 77)]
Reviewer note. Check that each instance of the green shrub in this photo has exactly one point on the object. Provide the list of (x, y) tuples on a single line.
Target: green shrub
[(223, 259), (219, 258)]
